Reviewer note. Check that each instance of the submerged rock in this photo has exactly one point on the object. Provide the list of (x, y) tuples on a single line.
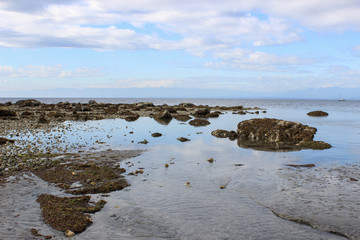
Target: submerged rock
[(317, 114), (156, 134), (219, 133)]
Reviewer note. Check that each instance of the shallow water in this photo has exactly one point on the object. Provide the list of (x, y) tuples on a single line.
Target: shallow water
[(160, 205)]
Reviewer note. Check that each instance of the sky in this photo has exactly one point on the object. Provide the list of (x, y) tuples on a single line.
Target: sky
[(259, 45)]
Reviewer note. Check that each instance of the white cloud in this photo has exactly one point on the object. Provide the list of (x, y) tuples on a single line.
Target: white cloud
[(57, 71)]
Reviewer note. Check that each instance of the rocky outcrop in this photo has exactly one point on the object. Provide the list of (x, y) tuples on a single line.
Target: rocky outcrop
[(276, 134), (317, 114), (164, 115)]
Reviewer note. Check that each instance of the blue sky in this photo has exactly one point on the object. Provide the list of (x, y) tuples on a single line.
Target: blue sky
[(258, 45)]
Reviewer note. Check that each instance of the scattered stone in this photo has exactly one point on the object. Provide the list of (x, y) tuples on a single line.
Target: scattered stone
[(222, 187), (353, 179), (166, 165), (36, 233), (238, 165), (91, 102), (199, 122), (317, 114), (143, 142), (156, 134), (187, 184), (210, 160), (182, 139)]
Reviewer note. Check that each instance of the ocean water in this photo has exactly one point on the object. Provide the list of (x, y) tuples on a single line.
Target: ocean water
[(185, 201)]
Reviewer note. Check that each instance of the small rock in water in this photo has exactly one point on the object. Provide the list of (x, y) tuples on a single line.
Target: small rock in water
[(353, 179), (143, 142), (210, 160), (166, 165), (222, 187), (182, 139)]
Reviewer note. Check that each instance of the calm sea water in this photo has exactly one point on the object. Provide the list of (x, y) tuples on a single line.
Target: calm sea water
[(159, 204)]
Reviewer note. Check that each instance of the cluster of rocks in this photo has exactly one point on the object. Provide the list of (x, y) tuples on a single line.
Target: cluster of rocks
[(274, 135), (42, 113)]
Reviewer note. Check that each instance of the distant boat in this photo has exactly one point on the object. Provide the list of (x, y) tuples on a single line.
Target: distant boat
[(341, 99)]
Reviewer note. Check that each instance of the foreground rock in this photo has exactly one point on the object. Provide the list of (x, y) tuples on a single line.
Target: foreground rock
[(5, 140), (276, 134), (317, 114)]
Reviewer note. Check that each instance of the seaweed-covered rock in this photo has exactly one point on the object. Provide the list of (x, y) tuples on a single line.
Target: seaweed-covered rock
[(28, 103), (183, 139), (317, 114), (6, 112), (220, 133), (165, 115), (201, 112), (274, 130), (276, 134), (199, 122)]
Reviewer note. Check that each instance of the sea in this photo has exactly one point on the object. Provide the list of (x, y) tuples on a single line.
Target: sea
[(243, 194)]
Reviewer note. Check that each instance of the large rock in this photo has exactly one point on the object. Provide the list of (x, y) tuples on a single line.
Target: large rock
[(274, 130), (275, 134)]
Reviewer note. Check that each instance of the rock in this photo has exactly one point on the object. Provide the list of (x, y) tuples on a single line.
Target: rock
[(301, 165), (353, 179), (28, 103), (199, 122), (69, 233), (212, 115), (187, 105), (143, 142), (222, 187), (201, 112), (210, 160), (219, 133), (182, 118), (132, 118), (42, 120), (91, 102), (275, 135), (316, 145), (166, 165), (144, 104), (165, 115), (182, 139), (6, 112), (156, 134), (317, 114), (5, 140), (274, 130), (233, 135)]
